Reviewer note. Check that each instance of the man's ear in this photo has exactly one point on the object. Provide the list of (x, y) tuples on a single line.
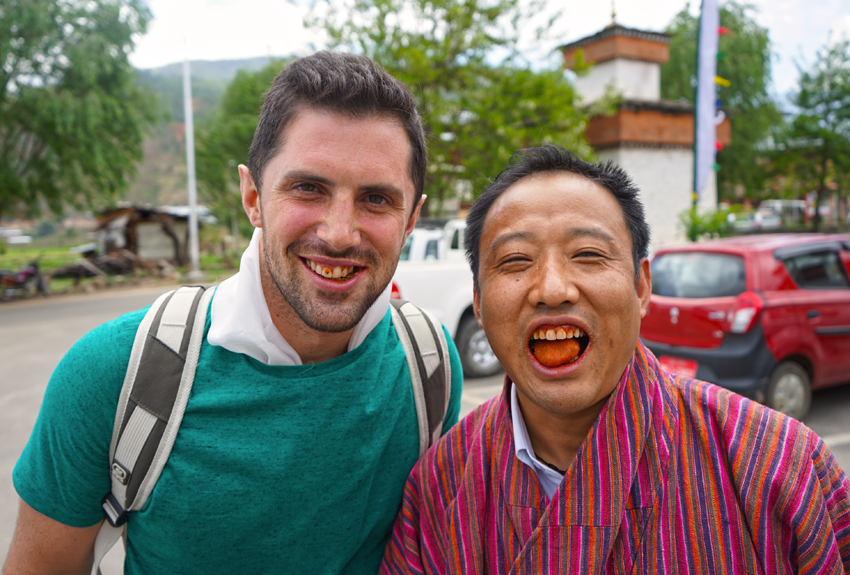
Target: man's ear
[(250, 197), (476, 305), (411, 222), (644, 287)]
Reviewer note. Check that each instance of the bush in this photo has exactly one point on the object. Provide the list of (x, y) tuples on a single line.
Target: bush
[(708, 224)]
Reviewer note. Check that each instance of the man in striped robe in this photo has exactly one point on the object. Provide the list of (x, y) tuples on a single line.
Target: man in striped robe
[(593, 459)]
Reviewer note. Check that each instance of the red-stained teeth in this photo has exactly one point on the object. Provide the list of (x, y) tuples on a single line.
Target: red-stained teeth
[(337, 272), (552, 334)]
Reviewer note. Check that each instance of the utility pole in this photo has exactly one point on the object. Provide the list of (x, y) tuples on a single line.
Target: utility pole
[(195, 274)]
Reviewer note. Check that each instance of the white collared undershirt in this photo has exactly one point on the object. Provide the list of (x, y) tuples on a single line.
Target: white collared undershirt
[(548, 477)]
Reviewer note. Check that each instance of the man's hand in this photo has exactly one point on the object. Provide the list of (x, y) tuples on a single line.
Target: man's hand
[(46, 547)]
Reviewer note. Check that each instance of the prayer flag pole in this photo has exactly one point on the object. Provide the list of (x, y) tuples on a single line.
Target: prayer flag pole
[(706, 111)]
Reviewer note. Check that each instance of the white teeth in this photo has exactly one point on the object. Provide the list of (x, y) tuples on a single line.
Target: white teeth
[(550, 334), (337, 272), (560, 333)]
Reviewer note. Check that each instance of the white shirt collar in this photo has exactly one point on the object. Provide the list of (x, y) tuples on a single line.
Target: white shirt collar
[(548, 477), (241, 321)]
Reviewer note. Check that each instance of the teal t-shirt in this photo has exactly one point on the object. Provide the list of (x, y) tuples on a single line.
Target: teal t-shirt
[(293, 469)]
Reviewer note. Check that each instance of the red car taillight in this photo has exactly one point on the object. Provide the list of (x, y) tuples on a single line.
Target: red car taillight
[(745, 314), (395, 293)]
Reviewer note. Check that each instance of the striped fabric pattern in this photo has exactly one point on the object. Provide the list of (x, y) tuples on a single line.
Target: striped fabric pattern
[(676, 476)]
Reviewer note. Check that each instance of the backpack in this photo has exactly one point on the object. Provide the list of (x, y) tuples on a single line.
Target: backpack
[(159, 381)]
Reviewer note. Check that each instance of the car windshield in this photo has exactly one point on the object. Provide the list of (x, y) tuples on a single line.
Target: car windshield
[(697, 275)]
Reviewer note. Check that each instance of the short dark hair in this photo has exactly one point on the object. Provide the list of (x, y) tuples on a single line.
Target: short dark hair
[(341, 83), (552, 158)]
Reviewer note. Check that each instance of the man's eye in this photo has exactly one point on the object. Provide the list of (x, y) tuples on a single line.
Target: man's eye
[(376, 199), (307, 187), (517, 259)]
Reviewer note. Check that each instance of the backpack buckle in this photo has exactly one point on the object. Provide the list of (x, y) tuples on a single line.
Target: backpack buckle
[(115, 513)]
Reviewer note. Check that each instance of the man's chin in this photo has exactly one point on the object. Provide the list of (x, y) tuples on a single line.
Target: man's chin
[(330, 318)]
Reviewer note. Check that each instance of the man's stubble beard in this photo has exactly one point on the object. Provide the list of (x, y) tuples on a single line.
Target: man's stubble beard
[(332, 313)]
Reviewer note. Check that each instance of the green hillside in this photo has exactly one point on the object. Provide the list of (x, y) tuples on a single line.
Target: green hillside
[(161, 177)]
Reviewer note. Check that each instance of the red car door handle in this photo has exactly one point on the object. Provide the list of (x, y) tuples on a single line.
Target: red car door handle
[(813, 313)]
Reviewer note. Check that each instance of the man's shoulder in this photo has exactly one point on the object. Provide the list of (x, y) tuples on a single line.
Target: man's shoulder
[(751, 436), (110, 341)]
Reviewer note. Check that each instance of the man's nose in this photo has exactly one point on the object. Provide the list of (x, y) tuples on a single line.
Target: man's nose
[(339, 227), (553, 285)]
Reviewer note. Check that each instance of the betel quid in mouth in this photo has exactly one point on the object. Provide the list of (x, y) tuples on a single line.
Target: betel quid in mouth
[(554, 346)]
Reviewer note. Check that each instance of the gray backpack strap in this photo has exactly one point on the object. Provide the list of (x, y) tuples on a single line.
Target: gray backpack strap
[(427, 353), (151, 405)]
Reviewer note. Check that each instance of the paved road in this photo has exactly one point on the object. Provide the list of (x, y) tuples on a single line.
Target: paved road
[(35, 334)]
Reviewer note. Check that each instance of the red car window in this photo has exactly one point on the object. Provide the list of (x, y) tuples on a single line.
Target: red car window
[(819, 270)]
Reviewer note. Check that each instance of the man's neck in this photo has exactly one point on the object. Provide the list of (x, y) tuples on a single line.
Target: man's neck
[(556, 438), (312, 346)]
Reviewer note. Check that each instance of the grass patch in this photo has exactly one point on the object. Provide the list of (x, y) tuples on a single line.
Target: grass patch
[(54, 252), (49, 258)]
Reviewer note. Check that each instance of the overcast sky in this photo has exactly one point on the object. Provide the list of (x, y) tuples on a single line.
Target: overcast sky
[(231, 29)]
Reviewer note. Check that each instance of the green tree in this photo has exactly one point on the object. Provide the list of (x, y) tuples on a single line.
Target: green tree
[(744, 60), (223, 139), (816, 149), (476, 112), (72, 118)]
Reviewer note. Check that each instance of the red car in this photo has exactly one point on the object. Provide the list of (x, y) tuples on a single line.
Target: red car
[(767, 316)]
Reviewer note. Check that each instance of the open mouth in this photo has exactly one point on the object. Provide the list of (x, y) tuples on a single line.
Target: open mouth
[(336, 273), (554, 346)]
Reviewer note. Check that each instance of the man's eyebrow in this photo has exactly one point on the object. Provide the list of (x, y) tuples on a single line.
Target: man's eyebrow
[(383, 188), (308, 176), (570, 232), (311, 177), (503, 239), (592, 232)]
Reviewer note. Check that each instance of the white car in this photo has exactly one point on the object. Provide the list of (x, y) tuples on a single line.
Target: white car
[(435, 275), (758, 221)]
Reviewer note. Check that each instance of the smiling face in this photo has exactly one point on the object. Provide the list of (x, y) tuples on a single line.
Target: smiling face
[(556, 292), (335, 210)]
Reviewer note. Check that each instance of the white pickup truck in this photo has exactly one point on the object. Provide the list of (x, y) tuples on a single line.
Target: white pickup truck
[(433, 273)]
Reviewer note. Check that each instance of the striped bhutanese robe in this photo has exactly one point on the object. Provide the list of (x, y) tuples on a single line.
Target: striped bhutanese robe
[(676, 476)]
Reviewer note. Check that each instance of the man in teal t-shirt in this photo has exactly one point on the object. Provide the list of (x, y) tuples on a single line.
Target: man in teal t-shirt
[(301, 428)]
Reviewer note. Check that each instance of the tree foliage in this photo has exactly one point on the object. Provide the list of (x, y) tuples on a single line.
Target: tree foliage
[(72, 118), (744, 60), (223, 139), (476, 112), (816, 147)]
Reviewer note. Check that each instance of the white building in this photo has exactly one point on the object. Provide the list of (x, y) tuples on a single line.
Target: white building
[(652, 139)]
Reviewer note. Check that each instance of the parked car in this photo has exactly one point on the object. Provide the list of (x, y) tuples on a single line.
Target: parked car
[(767, 316), (791, 211), (435, 241), (443, 286), (760, 220)]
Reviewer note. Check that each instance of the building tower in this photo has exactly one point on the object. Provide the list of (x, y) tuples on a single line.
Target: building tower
[(652, 139)]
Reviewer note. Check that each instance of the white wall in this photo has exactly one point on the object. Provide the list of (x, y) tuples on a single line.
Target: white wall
[(665, 178), (633, 79), (153, 244)]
